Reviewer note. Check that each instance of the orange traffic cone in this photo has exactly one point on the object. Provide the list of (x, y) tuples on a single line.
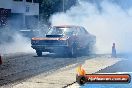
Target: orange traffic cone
[(0, 60)]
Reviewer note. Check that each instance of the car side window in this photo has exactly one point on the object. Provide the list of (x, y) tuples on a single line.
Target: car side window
[(83, 31), (78, 31)]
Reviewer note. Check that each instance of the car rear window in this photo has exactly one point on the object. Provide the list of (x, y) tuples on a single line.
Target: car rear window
[(62, 30)]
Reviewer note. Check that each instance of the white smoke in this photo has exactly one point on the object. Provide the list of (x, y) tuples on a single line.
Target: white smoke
[(19, 44), (12, 41), (109, 24)]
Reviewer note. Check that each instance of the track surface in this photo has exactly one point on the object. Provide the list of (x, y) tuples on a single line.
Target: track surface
[(19, 67), (23, 66), (123, 66)]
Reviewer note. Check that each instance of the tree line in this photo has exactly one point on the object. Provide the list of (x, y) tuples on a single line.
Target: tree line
[(49, 7)]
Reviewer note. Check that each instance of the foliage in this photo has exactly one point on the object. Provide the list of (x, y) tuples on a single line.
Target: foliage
[(49, 7)]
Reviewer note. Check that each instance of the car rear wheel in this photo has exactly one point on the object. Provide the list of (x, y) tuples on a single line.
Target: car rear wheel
[(86, 50), (39, 53), (73, 50)]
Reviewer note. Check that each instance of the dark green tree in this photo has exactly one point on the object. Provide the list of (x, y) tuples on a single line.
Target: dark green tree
[(49, 7)]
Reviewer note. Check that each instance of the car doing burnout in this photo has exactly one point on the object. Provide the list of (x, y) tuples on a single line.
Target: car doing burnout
[(67, 40)]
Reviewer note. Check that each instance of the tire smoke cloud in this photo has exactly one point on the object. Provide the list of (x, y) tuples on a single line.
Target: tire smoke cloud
[(110, 24), (14, 42)]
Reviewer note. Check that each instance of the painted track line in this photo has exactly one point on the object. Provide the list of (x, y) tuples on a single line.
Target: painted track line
[(69, 84)]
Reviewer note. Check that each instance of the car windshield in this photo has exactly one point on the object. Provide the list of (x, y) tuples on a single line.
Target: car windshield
[(61, 31)]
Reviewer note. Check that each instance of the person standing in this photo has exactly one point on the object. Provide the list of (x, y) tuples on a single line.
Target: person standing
[(113, 50), (0, 59)]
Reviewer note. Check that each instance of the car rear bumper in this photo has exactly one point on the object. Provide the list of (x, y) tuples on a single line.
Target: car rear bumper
[(49, 48)]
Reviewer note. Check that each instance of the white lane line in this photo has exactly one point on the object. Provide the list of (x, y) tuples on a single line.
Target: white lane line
[(116, 73), (124, 72)]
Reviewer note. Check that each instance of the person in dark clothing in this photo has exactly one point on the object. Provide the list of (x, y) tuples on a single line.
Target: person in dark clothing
[(0, 60), (113, 50)]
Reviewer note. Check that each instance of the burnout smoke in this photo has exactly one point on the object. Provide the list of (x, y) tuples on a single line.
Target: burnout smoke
[(13, 42), (109, 23)]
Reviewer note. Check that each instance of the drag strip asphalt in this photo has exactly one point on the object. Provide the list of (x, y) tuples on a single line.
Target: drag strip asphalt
[(23, 66)]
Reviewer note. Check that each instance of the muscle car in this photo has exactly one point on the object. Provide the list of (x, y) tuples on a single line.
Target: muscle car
[(65, 39)]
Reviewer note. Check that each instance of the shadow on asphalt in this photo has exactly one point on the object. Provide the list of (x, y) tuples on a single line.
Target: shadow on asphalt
[(53, 55)]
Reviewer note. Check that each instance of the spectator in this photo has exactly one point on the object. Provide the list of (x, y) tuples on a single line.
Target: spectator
[(113, 50)]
